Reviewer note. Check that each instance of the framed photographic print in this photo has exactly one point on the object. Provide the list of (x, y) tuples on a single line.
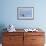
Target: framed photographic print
[(25, 13)]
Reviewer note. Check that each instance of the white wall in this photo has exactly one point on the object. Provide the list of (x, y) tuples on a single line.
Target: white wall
[(9, 13)]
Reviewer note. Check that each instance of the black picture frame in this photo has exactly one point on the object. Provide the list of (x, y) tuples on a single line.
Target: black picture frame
[(25, 13)]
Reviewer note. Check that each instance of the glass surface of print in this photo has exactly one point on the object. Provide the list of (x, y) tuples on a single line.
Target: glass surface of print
[(25, 13)]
